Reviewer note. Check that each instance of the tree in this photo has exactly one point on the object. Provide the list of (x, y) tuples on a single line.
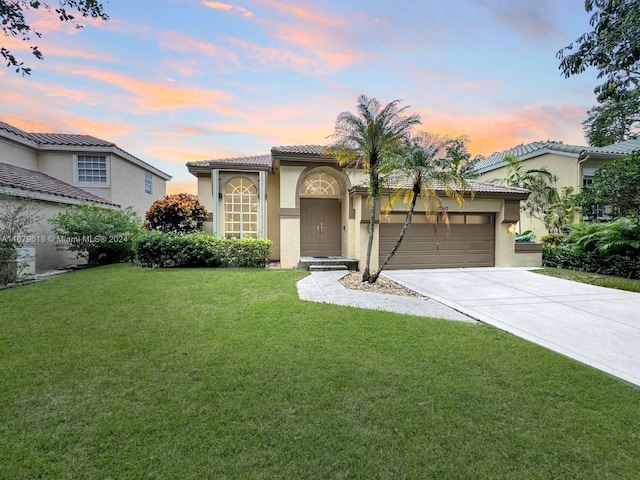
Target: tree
[(99, 234), (431, 166), (612, 47), (614, 120), (16, 25), (616, 185), (544, 202), (372, 138), (18, 219), (177, 213)]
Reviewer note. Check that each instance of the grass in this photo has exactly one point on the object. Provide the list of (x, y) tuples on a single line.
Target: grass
[(619, 283), (122, 372)]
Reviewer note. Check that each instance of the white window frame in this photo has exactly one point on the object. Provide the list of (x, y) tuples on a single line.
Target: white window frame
[(235, 212), (148, 183), (76, 172)]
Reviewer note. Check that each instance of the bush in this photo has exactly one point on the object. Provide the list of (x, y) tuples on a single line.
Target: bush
[(99, 234), (566, 256), (178, 213), (552, 239), (161, 249), (9, 268)]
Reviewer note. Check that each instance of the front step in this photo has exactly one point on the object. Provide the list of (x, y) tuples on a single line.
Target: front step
[(317, 264), (327, 268)]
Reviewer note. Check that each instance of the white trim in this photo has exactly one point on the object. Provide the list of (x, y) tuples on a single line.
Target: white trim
[(215, 191), (78, 183), (262, 194)]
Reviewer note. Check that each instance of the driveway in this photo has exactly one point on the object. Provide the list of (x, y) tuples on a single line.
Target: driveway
[(594, 325)]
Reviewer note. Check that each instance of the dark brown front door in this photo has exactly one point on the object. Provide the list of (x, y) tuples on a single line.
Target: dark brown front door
[(320, 232)]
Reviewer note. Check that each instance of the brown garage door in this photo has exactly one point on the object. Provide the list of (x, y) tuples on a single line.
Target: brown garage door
[(469, 243)]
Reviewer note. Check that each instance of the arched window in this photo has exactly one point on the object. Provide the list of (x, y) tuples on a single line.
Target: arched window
[(320, 185), (240, 208)]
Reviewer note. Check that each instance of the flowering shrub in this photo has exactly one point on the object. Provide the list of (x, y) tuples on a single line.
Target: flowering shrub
[(177, 213), (161, 249)]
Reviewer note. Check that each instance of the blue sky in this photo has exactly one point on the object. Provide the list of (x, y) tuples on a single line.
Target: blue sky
[(173, 81)]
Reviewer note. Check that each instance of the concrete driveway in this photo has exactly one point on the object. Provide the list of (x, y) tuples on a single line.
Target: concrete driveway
[(594, 325)]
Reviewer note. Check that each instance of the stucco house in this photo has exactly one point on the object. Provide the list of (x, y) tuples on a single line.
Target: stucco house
[(573, 165), (57, 170), (309, 206)]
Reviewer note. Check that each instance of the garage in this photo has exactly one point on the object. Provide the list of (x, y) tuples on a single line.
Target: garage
[(470, 241)]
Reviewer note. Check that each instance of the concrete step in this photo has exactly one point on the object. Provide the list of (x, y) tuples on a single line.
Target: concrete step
[(328, 263), (327, 268)]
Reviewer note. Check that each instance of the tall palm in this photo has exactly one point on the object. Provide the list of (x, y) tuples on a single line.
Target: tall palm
[(428, 169), (372, 138)]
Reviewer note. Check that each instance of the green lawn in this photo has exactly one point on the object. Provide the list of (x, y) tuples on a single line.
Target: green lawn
[(631, 285), (125, 373)]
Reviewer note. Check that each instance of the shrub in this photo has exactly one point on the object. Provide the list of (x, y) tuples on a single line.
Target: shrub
[(162, 249), (99, 234), (552, 238), (18, 219), (178, 213), (566, 256)]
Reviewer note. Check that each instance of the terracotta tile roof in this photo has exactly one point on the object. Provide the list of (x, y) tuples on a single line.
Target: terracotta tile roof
[(398, 180), (23, 178), (257, 160), (300, 149)]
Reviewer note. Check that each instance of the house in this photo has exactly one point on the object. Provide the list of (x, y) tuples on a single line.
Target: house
[(58, 170), (309, 206), (573, 165)]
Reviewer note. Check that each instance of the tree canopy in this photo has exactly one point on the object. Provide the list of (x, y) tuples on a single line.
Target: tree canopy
[(614, 120), (612, 47), (616, 185), (13, 17)]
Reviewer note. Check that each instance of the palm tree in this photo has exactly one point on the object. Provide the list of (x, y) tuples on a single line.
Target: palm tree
[(372, 138), (429, 168), (544, 197)]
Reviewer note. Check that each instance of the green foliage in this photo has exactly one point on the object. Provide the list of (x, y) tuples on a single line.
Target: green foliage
[(606, 248), (565, 256), (545, 204), (162, 249), (552, 238), (18, 218), (177, 213), (14, 24), (612, 47), (616, 185), (371, 139), (98, 234), (614, 120)]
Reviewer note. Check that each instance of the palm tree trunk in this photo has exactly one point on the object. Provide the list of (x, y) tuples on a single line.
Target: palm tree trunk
[(403, 232), (372, 225)]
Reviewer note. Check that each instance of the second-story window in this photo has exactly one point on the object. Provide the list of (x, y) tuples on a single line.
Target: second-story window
[(92, 170)]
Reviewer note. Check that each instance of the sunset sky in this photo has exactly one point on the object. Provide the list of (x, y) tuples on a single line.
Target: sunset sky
[(172, 81)]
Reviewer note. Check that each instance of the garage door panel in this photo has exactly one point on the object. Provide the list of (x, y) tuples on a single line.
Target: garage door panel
[(465, 245)]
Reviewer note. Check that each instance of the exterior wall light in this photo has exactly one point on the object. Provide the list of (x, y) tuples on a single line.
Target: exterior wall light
[(511, 228)]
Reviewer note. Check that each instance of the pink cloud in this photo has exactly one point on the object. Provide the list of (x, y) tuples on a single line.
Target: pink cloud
[(182, 43), (314, 16), (273, 55), (227, 7), (159, 96)]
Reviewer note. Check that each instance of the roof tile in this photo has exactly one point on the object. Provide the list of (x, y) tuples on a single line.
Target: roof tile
[(18, 177)]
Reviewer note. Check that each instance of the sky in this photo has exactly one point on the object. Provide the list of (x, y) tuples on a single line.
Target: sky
[(174, 81)]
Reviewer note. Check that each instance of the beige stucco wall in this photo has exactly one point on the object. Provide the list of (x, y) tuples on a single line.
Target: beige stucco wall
[(18, 155), (126, 180), (273, 214)]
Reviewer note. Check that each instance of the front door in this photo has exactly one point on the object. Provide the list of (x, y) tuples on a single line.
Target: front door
[(320, 227)]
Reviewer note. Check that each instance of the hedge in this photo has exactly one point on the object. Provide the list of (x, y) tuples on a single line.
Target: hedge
[(625, 265), (160, 249)]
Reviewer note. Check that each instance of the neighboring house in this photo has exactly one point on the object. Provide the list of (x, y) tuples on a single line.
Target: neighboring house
[(573, 165), (57, 170), (94, 165), (309, 206)]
